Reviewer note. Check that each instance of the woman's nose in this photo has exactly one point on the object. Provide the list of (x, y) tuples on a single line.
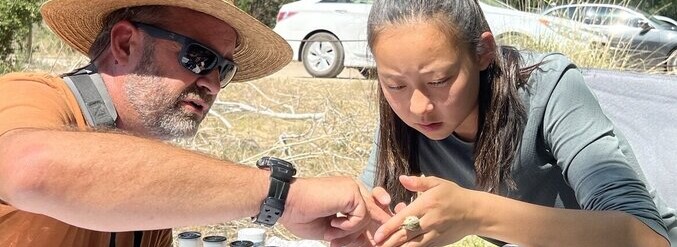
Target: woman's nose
[(420, 103)]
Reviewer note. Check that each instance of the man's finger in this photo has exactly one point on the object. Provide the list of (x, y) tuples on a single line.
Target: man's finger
[(381, 195), (360, 241), (344, 226)]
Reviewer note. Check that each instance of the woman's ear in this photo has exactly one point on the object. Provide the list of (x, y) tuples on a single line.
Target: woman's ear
[(487, 50)]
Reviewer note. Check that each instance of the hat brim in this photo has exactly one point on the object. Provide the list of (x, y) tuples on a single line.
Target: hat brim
[(260, 51)]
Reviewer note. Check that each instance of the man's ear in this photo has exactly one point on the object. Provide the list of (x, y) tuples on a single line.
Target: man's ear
[(487, 50), (125, 42)]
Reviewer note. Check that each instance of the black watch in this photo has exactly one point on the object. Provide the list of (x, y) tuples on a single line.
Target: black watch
[(281, 174)]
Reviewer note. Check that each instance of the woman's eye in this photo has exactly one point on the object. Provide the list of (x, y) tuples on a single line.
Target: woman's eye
[(392, 85), (395, 87), (439, 83)]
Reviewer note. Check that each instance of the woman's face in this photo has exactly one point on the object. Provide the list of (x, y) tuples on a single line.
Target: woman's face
[(430, 81)]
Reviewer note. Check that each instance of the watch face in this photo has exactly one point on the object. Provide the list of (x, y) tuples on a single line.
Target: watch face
[(268, 162)]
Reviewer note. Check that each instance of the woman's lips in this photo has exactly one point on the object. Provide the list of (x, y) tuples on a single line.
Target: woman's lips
[(430, 126)]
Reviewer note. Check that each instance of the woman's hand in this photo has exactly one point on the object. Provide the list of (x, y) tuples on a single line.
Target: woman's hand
[(444, 210)]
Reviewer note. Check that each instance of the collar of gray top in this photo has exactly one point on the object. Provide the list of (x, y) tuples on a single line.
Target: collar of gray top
[(92, 97)]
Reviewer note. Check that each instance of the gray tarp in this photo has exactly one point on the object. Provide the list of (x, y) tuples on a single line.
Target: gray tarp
[(644, 108)]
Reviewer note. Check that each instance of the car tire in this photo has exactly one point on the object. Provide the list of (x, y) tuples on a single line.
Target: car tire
[(671, 63), (368, 73), (323, 55)]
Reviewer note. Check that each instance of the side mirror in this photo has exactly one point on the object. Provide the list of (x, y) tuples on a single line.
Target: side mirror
[(644, 25)]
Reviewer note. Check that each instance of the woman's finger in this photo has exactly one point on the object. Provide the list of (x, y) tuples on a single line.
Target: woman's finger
[(401, 237), (419, 184), (426, 239), (399, 229), (399, 207)]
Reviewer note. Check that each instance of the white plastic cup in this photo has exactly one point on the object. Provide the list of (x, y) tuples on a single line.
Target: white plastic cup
[(189, 239), (256, 235), (214, 241)]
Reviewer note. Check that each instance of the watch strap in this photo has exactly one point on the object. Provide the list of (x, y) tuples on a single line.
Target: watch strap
[(273, 206)]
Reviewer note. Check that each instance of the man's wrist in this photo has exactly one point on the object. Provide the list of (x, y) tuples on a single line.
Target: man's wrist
[(292, 198)]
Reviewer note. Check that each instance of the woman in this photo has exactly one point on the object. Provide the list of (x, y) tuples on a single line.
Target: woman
[(526, 154)]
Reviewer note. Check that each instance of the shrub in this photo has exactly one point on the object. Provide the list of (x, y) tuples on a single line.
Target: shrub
[(16, 18)]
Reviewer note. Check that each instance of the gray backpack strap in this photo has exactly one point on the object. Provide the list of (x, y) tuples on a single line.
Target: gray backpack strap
[(92, 96)]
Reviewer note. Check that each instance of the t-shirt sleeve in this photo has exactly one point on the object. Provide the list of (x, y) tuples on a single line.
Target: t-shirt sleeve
[(369, 174), (583, 141), (31, 102)]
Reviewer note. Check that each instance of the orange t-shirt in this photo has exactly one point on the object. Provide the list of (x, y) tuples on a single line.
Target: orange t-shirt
[(43, 101)]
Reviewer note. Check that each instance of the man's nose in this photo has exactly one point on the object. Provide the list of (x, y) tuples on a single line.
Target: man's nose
[(210, 82), (420, 103)]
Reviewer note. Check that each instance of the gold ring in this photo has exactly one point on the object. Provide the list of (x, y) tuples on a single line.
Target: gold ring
[(411, 223)]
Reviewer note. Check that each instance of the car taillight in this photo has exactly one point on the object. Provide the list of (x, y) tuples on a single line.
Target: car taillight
[(284, 15)]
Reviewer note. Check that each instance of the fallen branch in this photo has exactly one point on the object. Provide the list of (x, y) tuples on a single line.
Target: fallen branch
[(222, 119), (230, 107)]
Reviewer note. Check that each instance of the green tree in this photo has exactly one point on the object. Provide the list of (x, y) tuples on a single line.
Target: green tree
[(16, 19), (263, 10)]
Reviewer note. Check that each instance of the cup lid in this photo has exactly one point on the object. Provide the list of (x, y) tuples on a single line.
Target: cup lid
[(241, 243), (213, 239), (189, 235)]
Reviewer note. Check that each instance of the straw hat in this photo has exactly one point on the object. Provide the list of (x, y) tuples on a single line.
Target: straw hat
[(260, 52)]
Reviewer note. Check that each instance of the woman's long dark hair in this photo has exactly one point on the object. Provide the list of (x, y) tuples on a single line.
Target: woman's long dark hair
[(501, 114)]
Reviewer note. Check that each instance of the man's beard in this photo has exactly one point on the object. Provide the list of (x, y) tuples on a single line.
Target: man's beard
[(160, 111)]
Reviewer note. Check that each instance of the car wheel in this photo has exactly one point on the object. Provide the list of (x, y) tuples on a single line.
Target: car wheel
[(672, 62), (368, 73), (323, 55), (519, 41)]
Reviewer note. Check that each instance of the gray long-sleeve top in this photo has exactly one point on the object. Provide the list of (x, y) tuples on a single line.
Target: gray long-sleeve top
[(571, 156)]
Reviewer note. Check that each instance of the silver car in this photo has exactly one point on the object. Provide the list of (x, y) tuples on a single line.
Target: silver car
[(645, 42)]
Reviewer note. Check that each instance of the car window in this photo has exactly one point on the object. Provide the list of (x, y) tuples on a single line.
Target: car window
[(623, 17), (594, 15)]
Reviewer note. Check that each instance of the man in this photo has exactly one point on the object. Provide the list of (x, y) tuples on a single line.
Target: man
[(67, 179)]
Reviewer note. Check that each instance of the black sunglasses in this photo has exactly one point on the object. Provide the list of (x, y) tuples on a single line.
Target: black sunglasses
[(196, 57)]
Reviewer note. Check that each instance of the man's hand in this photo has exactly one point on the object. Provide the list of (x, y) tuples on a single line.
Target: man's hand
[(329, 208), (378, 205)]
